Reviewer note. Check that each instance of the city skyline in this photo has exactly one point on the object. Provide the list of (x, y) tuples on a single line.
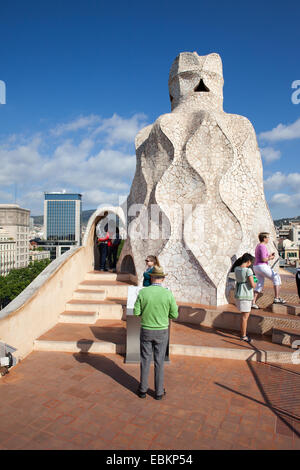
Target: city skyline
[(75, 101)]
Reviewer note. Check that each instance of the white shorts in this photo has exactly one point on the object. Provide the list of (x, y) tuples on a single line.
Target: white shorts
[(264, 270), (244, 306)]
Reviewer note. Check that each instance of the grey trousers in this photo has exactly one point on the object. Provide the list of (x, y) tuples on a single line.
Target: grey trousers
[(156, 341)]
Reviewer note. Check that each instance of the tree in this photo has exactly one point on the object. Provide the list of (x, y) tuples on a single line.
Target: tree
[(18, 279)]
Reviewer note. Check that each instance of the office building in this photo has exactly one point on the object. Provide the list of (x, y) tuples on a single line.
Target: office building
[(62, 217), (62, 222), (15, 221), (295, 233), (7, 252), (35, 255)]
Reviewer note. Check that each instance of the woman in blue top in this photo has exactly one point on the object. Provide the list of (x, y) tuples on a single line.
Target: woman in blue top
[(151, 262), (244, 290)]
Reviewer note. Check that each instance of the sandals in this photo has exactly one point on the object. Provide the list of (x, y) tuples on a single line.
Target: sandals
[(246, 338)]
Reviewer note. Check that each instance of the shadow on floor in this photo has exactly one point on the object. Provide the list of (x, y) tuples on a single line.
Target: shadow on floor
[(112, 334), (279, 388), (107, 366)]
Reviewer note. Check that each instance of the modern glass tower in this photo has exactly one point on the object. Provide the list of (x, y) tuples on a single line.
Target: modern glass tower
[(62, 217)]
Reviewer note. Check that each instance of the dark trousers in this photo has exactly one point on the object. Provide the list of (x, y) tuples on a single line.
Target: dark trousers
[(103, 248), (155, 341), (112, 256)]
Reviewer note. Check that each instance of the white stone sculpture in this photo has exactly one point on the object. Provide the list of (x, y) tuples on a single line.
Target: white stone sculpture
[(202, 168)]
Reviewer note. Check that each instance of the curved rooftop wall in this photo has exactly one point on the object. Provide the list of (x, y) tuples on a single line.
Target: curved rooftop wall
[(37, 308)]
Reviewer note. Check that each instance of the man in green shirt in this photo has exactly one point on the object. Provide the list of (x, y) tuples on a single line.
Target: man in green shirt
[(155, 304)]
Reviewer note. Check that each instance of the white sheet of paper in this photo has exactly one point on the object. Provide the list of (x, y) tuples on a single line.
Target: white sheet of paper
[(132, 295)]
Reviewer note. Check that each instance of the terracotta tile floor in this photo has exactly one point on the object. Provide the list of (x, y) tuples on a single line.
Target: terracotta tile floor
[(113, 331), (83, 401)]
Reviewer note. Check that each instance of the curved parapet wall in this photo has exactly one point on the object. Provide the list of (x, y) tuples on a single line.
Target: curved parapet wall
[(95, 218), (38, 307)]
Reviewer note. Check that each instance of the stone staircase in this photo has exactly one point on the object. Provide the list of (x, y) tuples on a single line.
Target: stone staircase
[(281, 321), (285, 309), (99, 296), (287, 335), (94, 320), (99, 300)]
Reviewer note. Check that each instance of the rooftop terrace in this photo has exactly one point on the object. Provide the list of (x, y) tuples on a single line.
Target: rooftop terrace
[(74, 400)]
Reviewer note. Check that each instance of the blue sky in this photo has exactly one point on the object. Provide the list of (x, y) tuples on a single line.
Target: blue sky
[(82, 77)]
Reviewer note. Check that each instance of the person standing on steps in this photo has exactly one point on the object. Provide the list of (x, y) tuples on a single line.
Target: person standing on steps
[(244, 290), (155, 305), (151, 262), (262, 270), (113, 250), (103, 244)]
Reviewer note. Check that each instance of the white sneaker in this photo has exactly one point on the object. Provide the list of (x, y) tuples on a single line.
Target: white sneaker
[(255, 306), (279, 300)]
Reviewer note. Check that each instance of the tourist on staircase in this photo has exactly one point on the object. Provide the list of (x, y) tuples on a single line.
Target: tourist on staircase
[(244, 290), (113, 250), (262, 270), (103, 244), (151, 262)]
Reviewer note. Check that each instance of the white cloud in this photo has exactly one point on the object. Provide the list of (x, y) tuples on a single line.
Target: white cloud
[(40, 163), (95, 197), (270, 154), (118, 129), (19, 161), (275, 181), (115, 129), (293, 180), (286, 200), (113, 162), (280, 180), (282, 132), (81, 122), (6, 197)]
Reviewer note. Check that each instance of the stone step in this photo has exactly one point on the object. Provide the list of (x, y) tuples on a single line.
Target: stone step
[(109, 336), (200, 341), (91, 285), (256, 355), (87, 346), (106, 347), (287, 309), (88, 294), (116, 292), (113, 289), (105, 309), (78, 317), (100, 276), (286, 336), (228, 317), (105, 336)]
